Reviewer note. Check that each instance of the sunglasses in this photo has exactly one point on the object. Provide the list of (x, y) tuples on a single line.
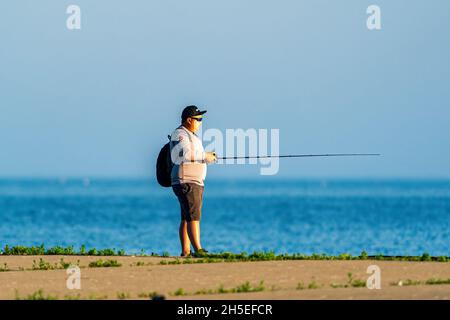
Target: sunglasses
[(198, 119)]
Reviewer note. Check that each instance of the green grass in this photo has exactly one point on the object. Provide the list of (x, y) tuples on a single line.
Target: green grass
[(93, 296), (215, 257), (204, 291), (4, 268), (431, 281), (152, 295), (271, 256), (437, 281), (356, 283), (44, 265), (38, 295), (123, 295), (351, 282), (70, 251), (300, 286), (179, 292), (221, 289), (66, 265), (245, 287), (104, 263), (313, 285), (140, 264)]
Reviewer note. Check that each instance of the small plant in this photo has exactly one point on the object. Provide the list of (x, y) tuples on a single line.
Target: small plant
[(431, 281), (426, 257), (21, 250), (179, 292), (58, 250), (300, 286), (221, 289), (106, 252), (204, 291), (42, 265), (4, 268), (93, 296), (407, 282), (246, 287), (38, 295), (150, 295), (313, 285), (66, 265), (82, 251), (123, 295), (364, 255), (274, 288), (355, 282), (140, 264), (104, 263), (437, 281), (345, 256)]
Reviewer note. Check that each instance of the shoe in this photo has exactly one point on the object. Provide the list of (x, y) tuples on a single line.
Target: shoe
[(186, 255), (200, 253)]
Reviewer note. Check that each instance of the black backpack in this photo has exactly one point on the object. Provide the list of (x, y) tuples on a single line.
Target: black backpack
[(164, 166)]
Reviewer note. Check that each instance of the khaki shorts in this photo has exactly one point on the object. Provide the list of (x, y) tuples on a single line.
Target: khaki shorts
[(190, 196)]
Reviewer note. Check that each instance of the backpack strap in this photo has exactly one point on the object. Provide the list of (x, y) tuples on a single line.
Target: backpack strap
[(190, 139), (189, 135)]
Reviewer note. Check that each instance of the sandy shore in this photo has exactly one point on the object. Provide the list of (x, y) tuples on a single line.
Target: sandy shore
[(138, 276)]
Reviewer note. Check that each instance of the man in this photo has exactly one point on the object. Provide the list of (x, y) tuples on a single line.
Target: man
[(188, 175)]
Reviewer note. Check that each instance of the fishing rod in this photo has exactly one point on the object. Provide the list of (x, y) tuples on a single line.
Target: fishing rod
[(303, 155)]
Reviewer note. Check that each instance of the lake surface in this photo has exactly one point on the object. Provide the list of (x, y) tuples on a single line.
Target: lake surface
[(394, 217)]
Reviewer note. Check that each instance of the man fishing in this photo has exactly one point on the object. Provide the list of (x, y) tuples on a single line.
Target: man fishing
[(188, 176)]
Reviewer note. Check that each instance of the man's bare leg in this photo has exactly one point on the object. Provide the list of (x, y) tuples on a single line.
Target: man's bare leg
[(193, 228), (184, 239)]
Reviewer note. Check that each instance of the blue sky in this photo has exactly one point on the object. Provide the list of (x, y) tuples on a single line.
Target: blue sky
[(100, 101)]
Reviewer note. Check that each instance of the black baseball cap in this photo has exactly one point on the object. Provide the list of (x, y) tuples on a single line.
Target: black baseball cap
[(191, 111)]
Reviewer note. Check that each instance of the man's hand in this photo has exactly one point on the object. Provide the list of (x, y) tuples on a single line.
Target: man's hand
[(210, 157)]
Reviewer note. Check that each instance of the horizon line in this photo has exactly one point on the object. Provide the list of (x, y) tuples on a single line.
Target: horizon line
[(240, 178)]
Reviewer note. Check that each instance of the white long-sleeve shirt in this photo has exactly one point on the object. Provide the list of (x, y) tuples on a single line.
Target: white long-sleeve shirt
[(188, 156)]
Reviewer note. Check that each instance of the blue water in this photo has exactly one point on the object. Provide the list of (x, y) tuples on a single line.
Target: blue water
[(324, 216)]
